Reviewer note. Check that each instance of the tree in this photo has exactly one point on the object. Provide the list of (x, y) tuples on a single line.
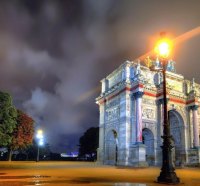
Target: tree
[(30, 153), (8, 115), (89, 142), (23, 133)]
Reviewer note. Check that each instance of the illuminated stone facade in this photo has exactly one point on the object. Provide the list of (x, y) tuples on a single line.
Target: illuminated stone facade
[(131, 116)]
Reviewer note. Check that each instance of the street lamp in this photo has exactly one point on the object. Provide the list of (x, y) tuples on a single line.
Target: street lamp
[(167, 174), (40, 142)]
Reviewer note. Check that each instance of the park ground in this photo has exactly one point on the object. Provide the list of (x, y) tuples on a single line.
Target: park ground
[(86, 173)]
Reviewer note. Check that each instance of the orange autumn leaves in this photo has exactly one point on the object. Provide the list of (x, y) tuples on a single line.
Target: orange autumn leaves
[(24, 131)]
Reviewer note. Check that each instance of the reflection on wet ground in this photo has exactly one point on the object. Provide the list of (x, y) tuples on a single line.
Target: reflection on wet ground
[(84, 174), (22, 177), (66, 182), (41, 180), (37, 180)]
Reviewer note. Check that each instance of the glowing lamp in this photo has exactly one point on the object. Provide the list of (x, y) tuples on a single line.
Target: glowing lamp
[(41, 142), (39, 134), (163, 48)]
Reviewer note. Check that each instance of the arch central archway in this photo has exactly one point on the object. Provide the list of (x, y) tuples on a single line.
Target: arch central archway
[(177, 131)]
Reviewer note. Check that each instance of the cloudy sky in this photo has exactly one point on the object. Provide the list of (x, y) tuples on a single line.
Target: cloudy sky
[(53, 53)]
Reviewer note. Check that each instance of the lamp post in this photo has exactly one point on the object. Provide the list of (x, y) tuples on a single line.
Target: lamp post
[(40, 142), (167, 174)]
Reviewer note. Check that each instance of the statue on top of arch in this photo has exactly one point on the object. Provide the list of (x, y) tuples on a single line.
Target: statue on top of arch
[(148, 62), (138, 68), (156, 63), (171, 66), (193, 84), (152, 62)]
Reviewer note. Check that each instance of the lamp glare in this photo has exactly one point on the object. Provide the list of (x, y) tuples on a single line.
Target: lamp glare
[(163, 48)]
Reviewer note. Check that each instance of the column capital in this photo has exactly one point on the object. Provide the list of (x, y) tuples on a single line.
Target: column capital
[(161, 101), (187, 108), (193, 107), (138, 94)]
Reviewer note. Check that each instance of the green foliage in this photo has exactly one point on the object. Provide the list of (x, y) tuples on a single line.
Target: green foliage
[(8, 115), (89, 142)]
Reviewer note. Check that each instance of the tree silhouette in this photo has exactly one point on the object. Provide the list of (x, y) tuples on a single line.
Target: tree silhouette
[(89, 143)]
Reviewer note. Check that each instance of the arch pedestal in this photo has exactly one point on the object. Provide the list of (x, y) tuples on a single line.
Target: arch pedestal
[(138, 155)]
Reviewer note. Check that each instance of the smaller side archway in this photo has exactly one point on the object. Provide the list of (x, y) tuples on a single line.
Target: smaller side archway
[(178, 139), (148, 140), (111, 147)]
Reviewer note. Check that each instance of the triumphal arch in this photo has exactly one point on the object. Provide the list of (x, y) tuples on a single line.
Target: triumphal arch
[(131, 116)]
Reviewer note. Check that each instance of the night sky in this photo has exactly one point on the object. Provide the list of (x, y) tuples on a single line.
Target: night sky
[(54, 53)]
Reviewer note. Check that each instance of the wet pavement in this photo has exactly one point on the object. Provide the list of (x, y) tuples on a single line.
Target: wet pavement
[(84, 173)]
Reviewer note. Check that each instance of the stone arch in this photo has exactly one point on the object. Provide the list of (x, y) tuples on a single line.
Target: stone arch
[(148, 140), (111, 147), (179, 113), (178, 137)]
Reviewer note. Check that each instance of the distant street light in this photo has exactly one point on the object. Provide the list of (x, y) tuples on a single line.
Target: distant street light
[(167, 174), (40, 142)]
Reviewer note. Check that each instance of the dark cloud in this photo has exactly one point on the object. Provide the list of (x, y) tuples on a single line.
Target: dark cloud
[(54, 53)]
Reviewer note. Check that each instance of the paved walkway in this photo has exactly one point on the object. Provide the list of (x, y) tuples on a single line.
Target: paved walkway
[(84, 173)]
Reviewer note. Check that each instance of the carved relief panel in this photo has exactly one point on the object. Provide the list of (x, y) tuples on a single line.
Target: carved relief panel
[(112, 114), (112, 110), (148, 113)]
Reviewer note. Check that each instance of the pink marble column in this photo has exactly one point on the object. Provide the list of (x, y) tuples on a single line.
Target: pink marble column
[(138, 97), (160, 114), (195, 125)]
